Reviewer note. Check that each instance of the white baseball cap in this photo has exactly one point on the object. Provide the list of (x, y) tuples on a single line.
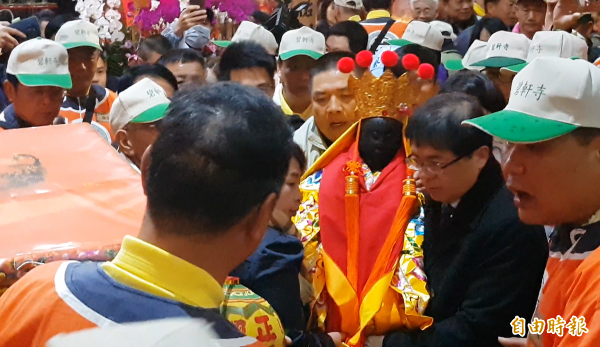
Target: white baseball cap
[(248, 31), (559, 44), (143, 102), (549, 98), (445, 28), (78, 33), (476, 52), (353, 4), (40, 62), (422, 34), (181, 332), (303, 41), (505, 49)]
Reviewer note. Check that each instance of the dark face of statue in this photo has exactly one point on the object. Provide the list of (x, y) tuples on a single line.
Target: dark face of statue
[(380, 140)]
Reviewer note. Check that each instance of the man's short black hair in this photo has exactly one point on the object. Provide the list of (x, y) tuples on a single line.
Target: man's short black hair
[(45, 15), (357, 36), (210, 15), (487, 2), (147, 70), (181, 56), (328, 62), (478, 85), (585, 136), (371, 5), (13, 80), (222, 150), (245, 55), (153, 43), (437, 124), (426, 55), (55, 23)]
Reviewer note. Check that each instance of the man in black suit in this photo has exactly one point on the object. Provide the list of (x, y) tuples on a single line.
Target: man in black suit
[(483, 265)]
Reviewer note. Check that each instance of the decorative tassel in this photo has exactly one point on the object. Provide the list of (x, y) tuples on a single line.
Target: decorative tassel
[(406, 210), (352, 204)]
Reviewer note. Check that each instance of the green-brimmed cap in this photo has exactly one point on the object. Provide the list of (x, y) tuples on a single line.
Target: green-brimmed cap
[(549, 98), (143, 102), (303, 41), (222, 44), (40, 62), (476, 52), (248, 31), (560, 44), (422, 34), (505, 49), (78, 33)]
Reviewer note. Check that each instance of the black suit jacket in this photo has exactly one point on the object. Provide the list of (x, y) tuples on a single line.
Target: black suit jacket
[(483, 266)]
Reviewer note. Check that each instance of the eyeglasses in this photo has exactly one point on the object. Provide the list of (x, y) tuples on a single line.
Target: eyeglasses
[(431, 167)]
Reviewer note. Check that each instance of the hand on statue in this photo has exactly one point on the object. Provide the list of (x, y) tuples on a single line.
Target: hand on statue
[(513, 341), (338, 338), (419, 183), (190, 17), (7, 38)]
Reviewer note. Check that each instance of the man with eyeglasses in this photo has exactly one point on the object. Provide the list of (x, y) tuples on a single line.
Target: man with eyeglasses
[(484, 266)]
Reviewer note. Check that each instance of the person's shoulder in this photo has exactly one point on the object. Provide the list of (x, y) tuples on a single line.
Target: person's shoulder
[(591, 265), (32, 300), (301, 134), (501, 219), (282, 244)]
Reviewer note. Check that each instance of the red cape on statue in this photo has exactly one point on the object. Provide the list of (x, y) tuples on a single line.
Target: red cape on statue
[(378, 208)]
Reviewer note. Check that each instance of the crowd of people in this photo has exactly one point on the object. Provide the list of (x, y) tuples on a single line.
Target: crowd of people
[(377, 180)]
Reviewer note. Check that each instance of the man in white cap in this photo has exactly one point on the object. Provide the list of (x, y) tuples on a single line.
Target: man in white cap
[(551, 161), (344, 10), (85, 102), (134, 118), (298, 51), (37, 76), (248, 31), (503, 49)]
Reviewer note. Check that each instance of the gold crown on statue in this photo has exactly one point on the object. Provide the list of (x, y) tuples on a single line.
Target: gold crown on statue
[(388, 96)]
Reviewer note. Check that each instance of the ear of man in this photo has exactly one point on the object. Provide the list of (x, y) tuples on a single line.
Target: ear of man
[(10, 91), (257, 222)]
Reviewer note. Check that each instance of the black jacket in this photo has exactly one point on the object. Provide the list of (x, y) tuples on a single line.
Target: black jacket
[(483, 266), (272, 272)]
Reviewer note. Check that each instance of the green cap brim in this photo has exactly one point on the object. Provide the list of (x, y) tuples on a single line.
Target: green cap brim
[(152, 114), (222, 44), (519, 127), (454, 65), (515, 68), (62, 81), (400, 42), (70, 45), (291, 54), (499, 62)]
